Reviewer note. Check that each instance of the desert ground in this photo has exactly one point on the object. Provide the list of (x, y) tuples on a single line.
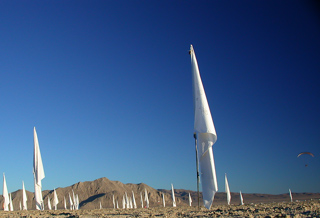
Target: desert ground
[(92, 194), (307, 208)]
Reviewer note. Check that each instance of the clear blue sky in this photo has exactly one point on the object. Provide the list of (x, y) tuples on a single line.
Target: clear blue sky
[(107, 84)]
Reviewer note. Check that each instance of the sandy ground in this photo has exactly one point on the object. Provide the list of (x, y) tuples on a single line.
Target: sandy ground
[(310, 208)]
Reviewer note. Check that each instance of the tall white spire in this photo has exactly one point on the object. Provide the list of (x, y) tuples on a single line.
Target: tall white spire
[(24, 197), (123, 202), (174, 204), (38, 172), (163, 201), (146, 198), (10, 202), (55, 199), (70, 202), (227, 190), (49, 204), (6, 200), (74, 201), (127, 201), (205, 133), (134, 201), (241, 198), (65, 203), (141, 199)]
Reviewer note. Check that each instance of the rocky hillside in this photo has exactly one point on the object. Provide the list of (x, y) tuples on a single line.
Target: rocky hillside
[(91, 193)]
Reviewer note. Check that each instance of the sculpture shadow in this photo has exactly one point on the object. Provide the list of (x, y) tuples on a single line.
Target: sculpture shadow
[(90, 199)]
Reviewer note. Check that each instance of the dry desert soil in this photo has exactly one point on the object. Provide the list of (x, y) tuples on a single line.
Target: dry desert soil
[(307, 208)]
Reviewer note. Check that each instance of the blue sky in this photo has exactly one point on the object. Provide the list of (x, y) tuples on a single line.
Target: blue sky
[(107, 84)]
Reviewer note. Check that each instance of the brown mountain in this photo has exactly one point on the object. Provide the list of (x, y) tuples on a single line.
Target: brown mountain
[(91, 193)]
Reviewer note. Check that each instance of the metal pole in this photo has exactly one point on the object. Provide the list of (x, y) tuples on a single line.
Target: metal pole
[(197, 164)]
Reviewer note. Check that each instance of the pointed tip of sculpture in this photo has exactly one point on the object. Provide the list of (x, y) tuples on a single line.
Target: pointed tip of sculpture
[(191, 49)]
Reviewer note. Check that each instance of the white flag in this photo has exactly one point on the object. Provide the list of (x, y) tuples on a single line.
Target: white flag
[(6, 200), (163, 201), (55, 199), (74, 201), (173, 198), (134, 201), (227, 190), (241, 198), (141, 199), (65, 203), (38, 172), (70, 202), (146, 198), (206, 135), (190, 200), (290, 195), (123, 202), (10, 202), (49, 203), (78, 202), (24, 197)]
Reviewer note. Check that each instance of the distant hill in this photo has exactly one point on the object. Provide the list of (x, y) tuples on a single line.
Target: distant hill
[(91, 193), (221, 197)]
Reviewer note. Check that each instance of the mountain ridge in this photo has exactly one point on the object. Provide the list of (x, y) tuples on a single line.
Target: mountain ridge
[(91, 193)]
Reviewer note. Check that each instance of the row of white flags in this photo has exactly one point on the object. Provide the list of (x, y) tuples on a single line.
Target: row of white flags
[(38, 174), (7, 199), (8, 206), (227, 190), (127, 202), (130, 202)]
